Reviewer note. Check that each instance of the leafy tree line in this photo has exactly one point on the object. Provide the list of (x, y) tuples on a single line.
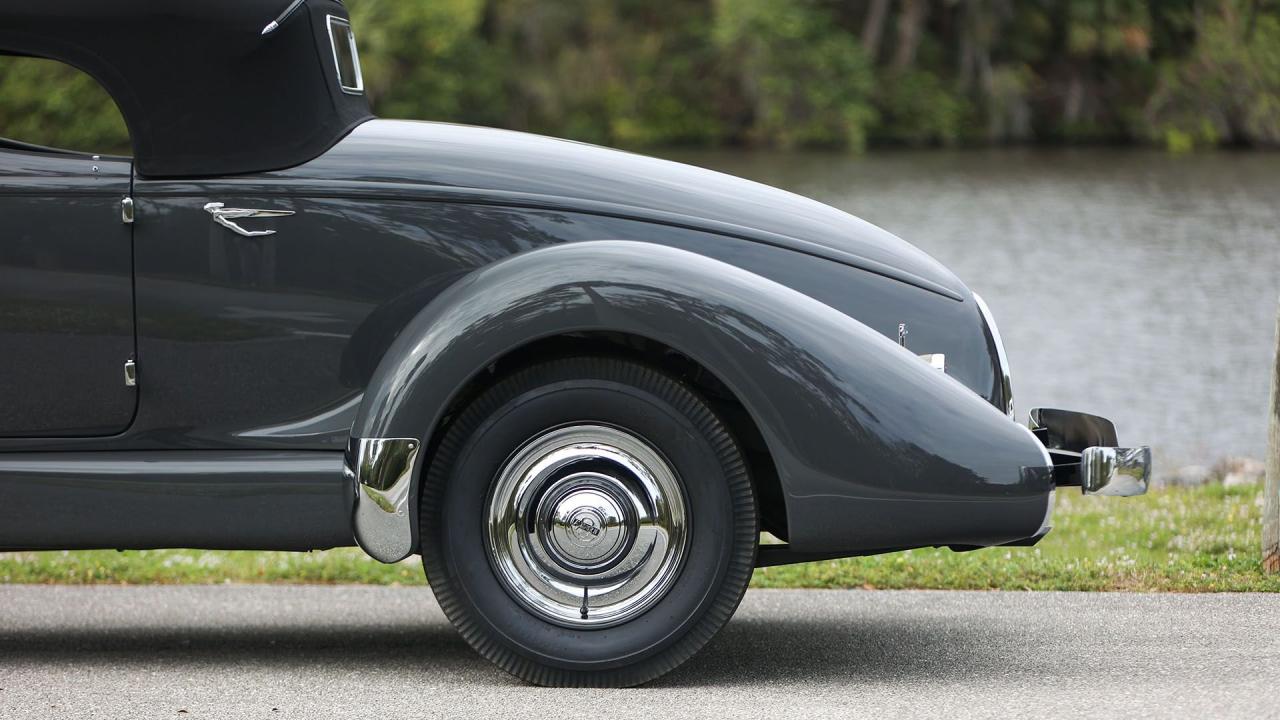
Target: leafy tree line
[(785, 73)]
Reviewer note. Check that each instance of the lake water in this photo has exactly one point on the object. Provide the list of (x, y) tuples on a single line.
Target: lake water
[(1133, 284)]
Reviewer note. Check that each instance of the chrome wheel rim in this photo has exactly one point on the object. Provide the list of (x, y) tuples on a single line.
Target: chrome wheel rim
[(587, 525)]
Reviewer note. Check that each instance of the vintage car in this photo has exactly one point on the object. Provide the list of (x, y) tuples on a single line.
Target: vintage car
[(581, 383)]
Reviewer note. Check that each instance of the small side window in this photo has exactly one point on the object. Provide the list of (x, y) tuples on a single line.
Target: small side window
[(345, 57)]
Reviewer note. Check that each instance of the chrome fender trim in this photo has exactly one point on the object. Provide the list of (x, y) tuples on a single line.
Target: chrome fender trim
[(381, 471)]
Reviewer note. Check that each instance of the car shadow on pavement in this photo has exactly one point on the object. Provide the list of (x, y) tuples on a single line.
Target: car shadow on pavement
[(782, 651), (794, 651), (231, 644)]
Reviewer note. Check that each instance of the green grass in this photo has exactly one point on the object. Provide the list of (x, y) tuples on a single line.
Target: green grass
[(1203, 539)]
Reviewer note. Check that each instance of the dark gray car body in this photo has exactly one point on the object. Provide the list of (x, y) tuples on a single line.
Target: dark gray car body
[(419, 256)]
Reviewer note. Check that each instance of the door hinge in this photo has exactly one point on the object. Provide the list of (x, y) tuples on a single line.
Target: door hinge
[(126, 210), (130, 373)]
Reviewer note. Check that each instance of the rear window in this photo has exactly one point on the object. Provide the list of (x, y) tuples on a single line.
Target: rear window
[(345, 56)]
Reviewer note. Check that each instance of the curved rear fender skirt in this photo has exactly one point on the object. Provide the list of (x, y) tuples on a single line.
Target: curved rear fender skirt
[(874, 447)]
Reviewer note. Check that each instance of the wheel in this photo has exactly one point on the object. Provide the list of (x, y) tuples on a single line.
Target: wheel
[(588, 522)]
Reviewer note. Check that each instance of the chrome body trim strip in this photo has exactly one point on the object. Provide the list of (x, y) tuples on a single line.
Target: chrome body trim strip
[(1006, 378), (381, 473), (1116, 472)]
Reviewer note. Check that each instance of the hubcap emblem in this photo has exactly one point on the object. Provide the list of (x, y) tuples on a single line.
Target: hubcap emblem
[(589, 524), (586, 528)]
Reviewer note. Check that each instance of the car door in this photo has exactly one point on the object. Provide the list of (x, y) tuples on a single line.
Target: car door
[(66, 294)]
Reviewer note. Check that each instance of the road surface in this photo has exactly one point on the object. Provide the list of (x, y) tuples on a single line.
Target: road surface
[(377, 652)]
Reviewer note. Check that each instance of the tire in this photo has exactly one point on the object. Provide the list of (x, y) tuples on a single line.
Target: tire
[(617, 422)]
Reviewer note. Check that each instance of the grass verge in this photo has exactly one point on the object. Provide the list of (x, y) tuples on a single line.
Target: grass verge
[(1203, 539)]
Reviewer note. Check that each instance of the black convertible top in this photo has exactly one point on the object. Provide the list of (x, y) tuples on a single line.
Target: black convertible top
[(203, 90)]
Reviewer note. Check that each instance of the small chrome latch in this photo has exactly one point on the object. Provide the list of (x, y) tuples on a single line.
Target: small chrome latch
[(126, 210), (130, 373), (902, 334)]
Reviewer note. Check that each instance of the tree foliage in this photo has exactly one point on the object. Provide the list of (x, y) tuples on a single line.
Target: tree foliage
[(783, 73), (47, 103), (1227, 90)]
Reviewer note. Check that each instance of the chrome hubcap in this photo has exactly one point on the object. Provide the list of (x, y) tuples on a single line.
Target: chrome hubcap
[(587, 526)]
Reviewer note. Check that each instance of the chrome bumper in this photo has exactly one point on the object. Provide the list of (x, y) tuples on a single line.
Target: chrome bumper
[(1085, 453), (1118, 472)]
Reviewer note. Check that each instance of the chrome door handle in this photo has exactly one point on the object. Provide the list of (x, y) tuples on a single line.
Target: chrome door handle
[(224, 215)]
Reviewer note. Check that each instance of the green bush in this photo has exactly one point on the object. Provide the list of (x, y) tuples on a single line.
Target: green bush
[(1227, 91), (669, 87), (916, 108), (427, 60), (805, 82)]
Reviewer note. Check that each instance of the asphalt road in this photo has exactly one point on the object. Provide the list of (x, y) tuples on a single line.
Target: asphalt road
[(352, 652)]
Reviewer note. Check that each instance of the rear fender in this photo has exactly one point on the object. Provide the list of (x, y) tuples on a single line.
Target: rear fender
[(874, 448)]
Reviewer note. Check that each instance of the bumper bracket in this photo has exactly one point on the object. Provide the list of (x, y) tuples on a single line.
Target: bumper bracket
[(1085, 453)]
